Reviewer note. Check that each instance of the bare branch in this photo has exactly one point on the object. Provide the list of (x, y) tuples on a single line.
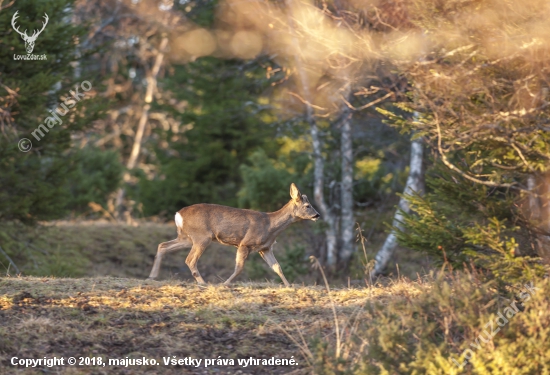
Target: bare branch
[(368, 104), (307, 102), (462, 173)]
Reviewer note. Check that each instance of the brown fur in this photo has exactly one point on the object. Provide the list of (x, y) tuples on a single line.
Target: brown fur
[(249, 231)]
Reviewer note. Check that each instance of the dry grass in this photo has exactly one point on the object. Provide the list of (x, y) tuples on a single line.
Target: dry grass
[(115, 317), (114, 312)]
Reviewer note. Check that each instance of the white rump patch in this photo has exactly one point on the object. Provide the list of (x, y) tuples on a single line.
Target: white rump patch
[(179, 220)]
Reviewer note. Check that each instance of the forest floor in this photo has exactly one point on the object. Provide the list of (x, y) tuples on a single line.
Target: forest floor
[(98, 304), (83, 293), (115, 318)]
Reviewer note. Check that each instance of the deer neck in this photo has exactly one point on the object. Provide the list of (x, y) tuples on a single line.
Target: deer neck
[(282, 218)]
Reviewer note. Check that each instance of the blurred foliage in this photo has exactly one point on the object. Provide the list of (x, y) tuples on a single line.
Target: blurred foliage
[(97, 175), (266, 181), (381, 160), (428, 334), (294, 261), (201, 12), (224, 128), (32, 184), (376, 179)]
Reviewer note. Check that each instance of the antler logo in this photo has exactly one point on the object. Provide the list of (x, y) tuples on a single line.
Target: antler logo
[(29, 40)]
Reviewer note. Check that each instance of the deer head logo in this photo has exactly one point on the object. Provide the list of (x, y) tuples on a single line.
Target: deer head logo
[(29, 40)]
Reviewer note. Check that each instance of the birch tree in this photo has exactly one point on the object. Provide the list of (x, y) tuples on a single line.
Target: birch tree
[(347, 224), (318, 158), (348, 221), (413, 185), (484, 115), (328, 50)]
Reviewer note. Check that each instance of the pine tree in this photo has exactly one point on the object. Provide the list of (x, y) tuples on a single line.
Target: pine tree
[(462, 223), (482, 111), (225, 126), (32, 184)]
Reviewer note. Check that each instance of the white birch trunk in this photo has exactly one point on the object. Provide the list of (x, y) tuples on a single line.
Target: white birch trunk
[(534, 213), (319, 164), (318, 193), (413, 185), (346, 197)]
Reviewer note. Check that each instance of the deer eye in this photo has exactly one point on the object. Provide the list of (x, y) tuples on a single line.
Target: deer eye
[(307, 205)]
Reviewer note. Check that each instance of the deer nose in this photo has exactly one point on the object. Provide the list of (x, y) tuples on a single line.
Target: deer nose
[(316, 216)]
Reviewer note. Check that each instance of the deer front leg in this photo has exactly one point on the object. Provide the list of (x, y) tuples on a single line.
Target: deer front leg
[(242, 254), (196, 251), (167, 247), (269, 257)]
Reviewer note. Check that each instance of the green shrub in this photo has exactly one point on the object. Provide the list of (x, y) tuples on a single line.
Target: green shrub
[(428, 332), (223, 125), (294, 262), (459, 222), (267, 181), (97, 175)]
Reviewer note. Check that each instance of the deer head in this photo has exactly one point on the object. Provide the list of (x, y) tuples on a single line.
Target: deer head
[(302, 209), (29, 40)]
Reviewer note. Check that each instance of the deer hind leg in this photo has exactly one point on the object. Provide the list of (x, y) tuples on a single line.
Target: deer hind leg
[(193, 257), (242, 254), (167, 247), (269, 258)]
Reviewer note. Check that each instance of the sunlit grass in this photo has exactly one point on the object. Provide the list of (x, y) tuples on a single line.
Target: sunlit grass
[(115, 317)]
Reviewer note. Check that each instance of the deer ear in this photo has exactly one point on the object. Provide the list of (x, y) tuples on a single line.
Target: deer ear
[(295, 192)]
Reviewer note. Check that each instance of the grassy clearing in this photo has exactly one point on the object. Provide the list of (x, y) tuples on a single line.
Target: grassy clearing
[(116, 317), (91, 249), (404, 327)]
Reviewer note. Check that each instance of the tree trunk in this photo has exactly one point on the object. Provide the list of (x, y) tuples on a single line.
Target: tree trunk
[(319, 163), (538, 212), (136, 148), (546, 199), (346, 198), (413, 185), (318, 193), (534, 213)]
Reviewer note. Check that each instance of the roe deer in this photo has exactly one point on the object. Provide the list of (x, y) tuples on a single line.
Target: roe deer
[(249, 231)]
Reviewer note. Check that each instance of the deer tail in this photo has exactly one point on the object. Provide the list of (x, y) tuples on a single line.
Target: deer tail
[(179, 222)]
